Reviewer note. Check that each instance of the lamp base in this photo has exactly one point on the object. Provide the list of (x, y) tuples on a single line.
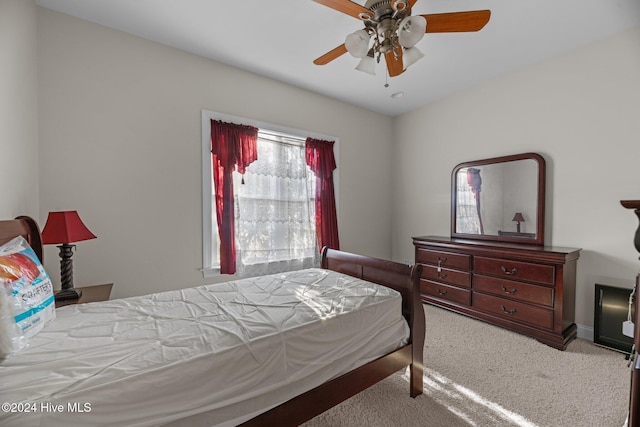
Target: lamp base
[(67, 294)]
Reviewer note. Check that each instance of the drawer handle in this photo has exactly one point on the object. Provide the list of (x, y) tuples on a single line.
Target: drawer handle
[(442, 276), (441, 292), (509, 272), (512, 291), (504, 310)]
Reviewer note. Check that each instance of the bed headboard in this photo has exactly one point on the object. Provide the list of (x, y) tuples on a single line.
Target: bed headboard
[(22, 226)]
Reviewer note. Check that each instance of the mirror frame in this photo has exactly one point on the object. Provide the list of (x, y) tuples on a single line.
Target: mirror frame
[(539, 237)]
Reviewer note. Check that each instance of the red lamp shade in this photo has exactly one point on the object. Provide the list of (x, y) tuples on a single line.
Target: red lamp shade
[(518, 217), (65, 227)]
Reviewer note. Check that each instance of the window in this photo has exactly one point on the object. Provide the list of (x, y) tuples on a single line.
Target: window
[(467, 206), (274, 208)]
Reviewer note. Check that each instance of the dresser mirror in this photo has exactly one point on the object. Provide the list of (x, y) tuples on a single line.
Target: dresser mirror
[(500, 199)]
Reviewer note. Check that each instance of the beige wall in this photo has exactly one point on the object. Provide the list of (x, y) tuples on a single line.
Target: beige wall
[(18, 109), (581, 111), (120, 142)]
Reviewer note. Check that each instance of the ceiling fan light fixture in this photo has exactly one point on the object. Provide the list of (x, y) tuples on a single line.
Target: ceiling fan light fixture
[(357, 43), (367, 65), (411, 56), (411, 30)]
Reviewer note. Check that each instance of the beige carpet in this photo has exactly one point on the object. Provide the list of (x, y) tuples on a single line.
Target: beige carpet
[(481, 375)]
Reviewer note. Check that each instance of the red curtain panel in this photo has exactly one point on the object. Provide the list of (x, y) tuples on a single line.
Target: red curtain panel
[(319, 156), (232, 146)]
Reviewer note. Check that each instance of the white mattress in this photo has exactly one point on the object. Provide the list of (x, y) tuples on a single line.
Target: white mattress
[(211, 355)]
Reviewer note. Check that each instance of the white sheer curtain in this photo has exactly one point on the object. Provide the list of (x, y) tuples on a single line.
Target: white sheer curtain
[(467, 220), (275, 218)]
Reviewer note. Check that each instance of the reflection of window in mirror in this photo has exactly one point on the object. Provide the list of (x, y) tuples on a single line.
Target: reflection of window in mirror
[(467, 202)]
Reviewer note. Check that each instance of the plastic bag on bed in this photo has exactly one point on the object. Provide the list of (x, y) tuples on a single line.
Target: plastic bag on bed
[(26, 296)]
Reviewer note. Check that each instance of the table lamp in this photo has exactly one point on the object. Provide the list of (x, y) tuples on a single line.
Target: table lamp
[(63, 228), (518, 218)]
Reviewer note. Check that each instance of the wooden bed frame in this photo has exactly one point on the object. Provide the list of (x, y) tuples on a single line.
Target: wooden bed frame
[(22, 226), (403, 278)]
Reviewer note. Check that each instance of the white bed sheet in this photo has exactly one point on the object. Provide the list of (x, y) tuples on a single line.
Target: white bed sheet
[(212, 355)]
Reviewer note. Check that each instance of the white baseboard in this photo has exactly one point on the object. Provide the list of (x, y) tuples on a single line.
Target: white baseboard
[(585, 332)]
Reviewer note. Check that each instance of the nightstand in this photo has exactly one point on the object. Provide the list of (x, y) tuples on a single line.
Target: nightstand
[(89, 294)]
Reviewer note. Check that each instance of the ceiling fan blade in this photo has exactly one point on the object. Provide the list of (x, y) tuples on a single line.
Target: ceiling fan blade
[(457, 21), (331, 55), (346, 6), (394, 65)]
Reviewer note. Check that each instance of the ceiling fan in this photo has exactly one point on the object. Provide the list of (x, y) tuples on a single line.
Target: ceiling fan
[(391, 31)]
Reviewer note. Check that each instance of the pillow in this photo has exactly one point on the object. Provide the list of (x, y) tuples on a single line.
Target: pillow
[(26, 296)]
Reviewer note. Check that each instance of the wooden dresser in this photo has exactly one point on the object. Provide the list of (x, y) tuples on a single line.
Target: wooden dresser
[(529, 289)]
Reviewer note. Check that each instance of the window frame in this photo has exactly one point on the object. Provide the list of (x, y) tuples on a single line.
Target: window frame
[(210, 239)]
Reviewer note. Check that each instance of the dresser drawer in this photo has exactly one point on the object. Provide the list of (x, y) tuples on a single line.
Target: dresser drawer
[(515, 311), (445, 292), (515, 270), (445, 275), (514, 290), (443, 259)]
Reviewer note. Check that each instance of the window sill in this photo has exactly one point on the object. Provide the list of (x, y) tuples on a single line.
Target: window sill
[(210, 272)]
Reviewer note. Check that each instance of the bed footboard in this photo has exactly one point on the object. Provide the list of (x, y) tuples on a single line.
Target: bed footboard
[(401, 277)]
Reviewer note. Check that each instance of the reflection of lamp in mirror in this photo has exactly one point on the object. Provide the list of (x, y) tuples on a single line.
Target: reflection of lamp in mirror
[(518, 218)]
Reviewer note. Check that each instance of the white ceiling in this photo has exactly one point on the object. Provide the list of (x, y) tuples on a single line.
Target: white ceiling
[(281, 38)]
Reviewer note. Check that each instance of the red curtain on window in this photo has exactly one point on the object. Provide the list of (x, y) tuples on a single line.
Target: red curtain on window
[(232, 146), (319, 156)]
